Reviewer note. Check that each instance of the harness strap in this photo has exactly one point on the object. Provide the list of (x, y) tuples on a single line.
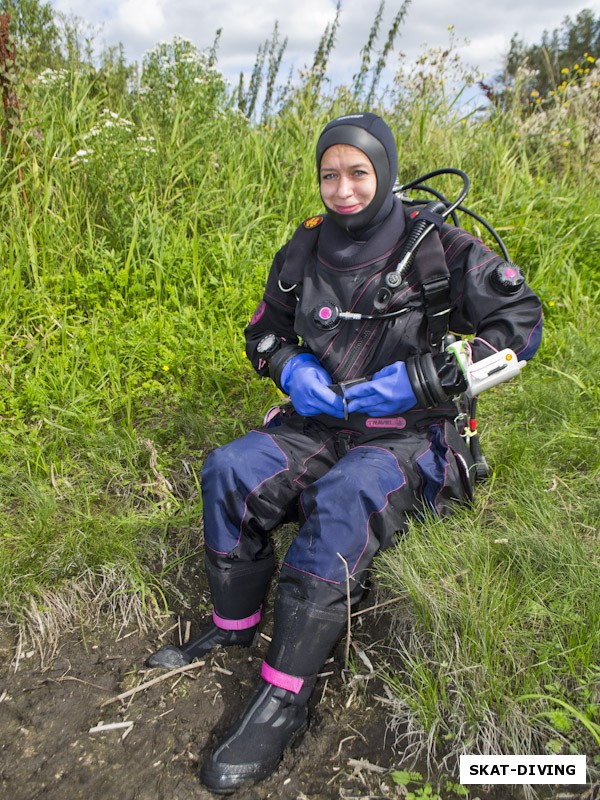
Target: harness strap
[(434, 277), (436, 296), (299, 250)]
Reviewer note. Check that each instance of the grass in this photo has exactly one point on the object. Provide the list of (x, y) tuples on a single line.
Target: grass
[(500, 650), (135, 249)]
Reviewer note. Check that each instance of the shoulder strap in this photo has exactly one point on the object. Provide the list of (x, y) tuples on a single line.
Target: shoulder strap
[(434, 277), (299, 250)]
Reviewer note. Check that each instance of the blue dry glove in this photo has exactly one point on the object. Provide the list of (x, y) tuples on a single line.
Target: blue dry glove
[(388, 392), (307, 384)]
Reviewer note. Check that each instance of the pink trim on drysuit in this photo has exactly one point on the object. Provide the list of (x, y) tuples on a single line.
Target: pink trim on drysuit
[(281, 679), (236, 624)]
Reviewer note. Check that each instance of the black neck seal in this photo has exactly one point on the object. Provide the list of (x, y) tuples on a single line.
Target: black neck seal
[(372, 136)]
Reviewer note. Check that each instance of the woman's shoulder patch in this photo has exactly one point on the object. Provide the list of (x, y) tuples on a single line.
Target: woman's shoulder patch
[(313, 222)]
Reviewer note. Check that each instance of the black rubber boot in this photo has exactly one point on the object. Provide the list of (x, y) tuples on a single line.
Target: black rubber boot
[(271, 721), (172, 656), (277, 713), (238, 589)]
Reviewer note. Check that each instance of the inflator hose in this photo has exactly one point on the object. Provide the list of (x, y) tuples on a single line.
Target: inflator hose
[(418, 231)]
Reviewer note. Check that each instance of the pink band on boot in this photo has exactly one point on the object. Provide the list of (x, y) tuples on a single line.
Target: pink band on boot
[(236, 624), (281, 679)]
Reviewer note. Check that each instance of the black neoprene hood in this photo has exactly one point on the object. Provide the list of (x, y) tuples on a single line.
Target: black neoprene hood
[(372, 136)]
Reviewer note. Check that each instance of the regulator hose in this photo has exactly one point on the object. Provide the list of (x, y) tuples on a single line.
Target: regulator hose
[(422, 227), (418, 185), (418, 232)]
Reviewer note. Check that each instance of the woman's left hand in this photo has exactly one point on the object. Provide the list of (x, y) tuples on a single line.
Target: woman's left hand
[(388, 392)]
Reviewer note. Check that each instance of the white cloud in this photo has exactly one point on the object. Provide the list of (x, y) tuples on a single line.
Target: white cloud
[(145, 19), (144, 16), (140, 24)]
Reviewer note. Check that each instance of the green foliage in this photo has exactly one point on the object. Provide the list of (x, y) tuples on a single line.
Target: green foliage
[(266, 70), (178, 81), (499, 638), (576, 40), (424, 790), (385, 52), (37, 33), (140, 219)]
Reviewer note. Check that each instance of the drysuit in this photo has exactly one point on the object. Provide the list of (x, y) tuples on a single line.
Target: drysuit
[(368, 440)]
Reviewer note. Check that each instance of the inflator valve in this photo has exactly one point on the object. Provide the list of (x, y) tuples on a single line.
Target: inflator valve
[(326, 317)]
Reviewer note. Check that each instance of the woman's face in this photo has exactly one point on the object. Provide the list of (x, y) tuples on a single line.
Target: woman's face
[(347, 179)]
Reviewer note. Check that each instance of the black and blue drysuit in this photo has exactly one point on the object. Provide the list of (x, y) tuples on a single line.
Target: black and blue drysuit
[(353, 483), (351, 469)]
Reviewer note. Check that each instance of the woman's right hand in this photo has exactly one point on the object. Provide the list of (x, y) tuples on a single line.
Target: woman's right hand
[(307, 384)]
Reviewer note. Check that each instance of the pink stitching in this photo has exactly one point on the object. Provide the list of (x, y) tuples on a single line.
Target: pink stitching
[(363, 264), (279, 302), (348, 351), (481, 264), (307, 459), (268, 478), (531, 334), (387, 497)]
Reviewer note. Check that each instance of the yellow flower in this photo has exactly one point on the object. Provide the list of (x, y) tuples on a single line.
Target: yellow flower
[(552, 303), (165, 367), (564, 71), (591, 59), (535, 93)]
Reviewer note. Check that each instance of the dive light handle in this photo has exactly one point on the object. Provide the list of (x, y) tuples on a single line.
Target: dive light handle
[(490, 371)]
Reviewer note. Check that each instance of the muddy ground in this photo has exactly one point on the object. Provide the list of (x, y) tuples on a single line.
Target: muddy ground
[(49, 750)]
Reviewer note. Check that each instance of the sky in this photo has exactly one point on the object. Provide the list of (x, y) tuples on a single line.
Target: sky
[(482, 29)]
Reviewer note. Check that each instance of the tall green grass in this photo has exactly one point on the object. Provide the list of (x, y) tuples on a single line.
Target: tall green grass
[(138, 231), (497, 643)]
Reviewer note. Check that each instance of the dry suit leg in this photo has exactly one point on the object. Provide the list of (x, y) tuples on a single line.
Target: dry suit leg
[(347, 515), (250, 486), (359, 505)]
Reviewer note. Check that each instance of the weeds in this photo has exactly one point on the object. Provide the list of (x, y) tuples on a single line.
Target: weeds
[(139, 227)]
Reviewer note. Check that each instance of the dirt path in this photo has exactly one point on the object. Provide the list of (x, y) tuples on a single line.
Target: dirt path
[(47, 750)]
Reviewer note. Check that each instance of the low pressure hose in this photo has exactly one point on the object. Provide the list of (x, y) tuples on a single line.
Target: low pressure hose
[(418, 232)]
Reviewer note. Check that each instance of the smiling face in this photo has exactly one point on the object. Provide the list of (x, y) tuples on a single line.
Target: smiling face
[(347, 179)]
